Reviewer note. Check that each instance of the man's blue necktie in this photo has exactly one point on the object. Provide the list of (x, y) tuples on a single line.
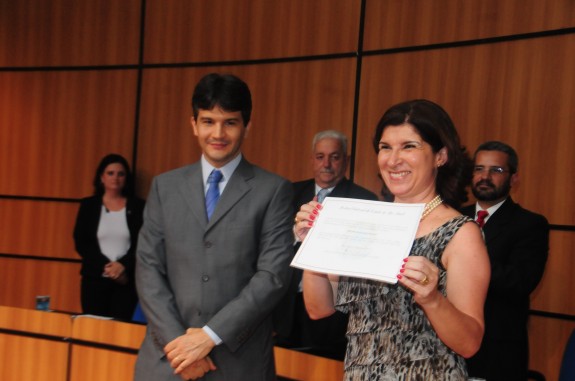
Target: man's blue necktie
[(213, 194)]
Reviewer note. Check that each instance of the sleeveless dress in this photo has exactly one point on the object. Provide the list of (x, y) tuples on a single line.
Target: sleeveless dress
[(389, 336)]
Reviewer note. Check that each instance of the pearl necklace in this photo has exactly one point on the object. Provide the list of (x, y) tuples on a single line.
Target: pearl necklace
[(430, 206)]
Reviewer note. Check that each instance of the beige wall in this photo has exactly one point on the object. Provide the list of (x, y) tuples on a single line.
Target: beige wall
[(81, 79)]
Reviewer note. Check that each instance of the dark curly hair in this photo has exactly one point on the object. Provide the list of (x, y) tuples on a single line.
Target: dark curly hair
[(436, 128)]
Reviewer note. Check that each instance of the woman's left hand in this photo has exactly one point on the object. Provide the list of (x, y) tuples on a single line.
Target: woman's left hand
[(116, 272), (305, 218), (421, 277)]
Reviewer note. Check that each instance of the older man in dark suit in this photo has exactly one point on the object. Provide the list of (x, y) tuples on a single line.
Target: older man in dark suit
[(295, 329), (214, 251), (517, 241)]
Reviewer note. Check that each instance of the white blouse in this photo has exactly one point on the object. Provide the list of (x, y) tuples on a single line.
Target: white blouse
[(113, 233)]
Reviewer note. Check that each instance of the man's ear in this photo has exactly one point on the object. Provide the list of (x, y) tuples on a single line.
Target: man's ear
[(248, 129), (193, 124), (514, 180)]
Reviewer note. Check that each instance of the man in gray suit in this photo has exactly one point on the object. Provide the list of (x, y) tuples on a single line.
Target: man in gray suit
[(207, 285)]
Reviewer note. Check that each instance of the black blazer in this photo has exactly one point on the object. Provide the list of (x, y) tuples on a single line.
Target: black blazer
[(518, 243), (86, 240), (304, 192)]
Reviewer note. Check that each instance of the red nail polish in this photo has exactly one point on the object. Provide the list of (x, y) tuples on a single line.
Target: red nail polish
[(319, 206), (399, 276), (310, 223), (312, 217), (405, 259), (402, 266), (402, 271), (315, 211)]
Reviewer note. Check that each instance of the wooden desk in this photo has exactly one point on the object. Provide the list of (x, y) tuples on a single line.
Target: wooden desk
[(51, 346), (33, 345), (104, 349), (304, 367)]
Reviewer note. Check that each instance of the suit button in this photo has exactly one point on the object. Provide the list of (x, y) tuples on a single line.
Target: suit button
[(208, 244), (205, 278)]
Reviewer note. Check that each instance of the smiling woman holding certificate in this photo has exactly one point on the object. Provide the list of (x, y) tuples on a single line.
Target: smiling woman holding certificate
[(423, 326)]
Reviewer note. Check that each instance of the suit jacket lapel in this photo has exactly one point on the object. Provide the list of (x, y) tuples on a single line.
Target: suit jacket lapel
[(308, 192), (192, 190), (306, 195), (495, 225), (341, 189)]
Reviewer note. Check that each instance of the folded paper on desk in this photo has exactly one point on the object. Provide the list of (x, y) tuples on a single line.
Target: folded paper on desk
[(93, 317)]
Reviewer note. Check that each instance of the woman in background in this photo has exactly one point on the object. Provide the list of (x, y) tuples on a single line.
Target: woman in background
[(105, 236), (423, 326)]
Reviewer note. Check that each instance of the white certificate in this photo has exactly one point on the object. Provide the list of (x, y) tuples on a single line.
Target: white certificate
[(360, 238)]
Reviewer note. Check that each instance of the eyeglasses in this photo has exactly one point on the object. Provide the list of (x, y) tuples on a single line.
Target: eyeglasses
[(479, 169)]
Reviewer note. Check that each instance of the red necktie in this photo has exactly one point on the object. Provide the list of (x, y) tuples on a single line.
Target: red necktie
[(481, 217)]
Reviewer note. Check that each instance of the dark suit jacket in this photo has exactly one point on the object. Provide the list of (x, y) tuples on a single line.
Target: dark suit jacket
[(86, 240), (228, 272), (293, 326), (517, 242), (304, 191)]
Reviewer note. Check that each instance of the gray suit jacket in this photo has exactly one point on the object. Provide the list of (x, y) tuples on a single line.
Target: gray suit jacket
[(227, 273)]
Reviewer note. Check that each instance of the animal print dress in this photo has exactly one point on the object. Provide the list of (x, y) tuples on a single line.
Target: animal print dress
[(389, 336)]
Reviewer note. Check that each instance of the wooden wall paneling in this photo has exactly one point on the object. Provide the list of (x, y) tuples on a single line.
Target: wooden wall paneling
[(24, 279), (547, 340), (222, 30), (499, 91), (56, 126), (37, 228), (68, 32), (166, 139), (557, 287), (304, 367), (397, 23), (291, 102)]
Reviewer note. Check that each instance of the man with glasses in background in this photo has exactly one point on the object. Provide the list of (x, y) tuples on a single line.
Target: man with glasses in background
[(518, 242)]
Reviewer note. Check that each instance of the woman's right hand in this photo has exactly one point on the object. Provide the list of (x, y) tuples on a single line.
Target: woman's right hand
[(116, 271), (305, 218)]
